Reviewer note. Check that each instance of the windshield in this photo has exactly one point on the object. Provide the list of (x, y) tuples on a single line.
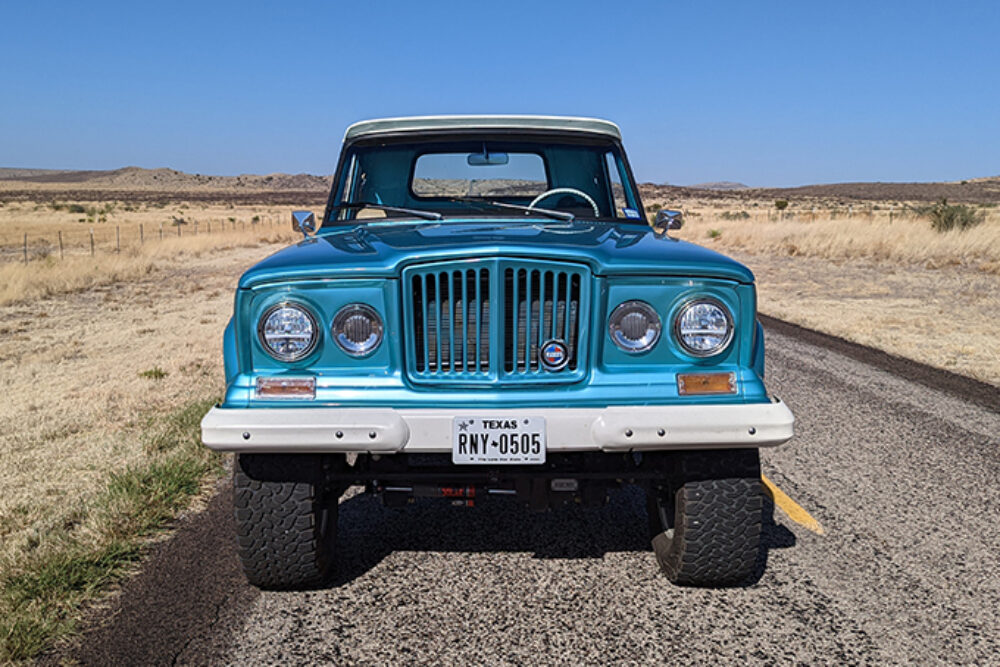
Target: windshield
[(502, 176)]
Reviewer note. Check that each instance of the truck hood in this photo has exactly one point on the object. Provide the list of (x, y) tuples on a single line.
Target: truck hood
[(382, 249)]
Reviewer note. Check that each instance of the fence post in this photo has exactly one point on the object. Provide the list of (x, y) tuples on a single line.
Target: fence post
[(178, 230), (60, 245), (161, 231), (26, 247), (140, 234), (118, 239), (209, 226), (91, 241), (196, 228)]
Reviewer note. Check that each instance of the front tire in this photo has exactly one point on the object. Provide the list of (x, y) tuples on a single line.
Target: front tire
[(286, 520), (705, 517)]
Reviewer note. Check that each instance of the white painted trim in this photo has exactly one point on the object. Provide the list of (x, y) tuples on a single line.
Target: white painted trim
[(386, 431), (481, 122)]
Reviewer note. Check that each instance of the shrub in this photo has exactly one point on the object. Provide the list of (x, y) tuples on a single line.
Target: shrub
[(781, 204), (714, 233), (653, 208), (735, 215), (945, 217)]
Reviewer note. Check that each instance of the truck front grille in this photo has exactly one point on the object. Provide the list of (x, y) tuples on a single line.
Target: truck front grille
[(455, 333), (451, 322)]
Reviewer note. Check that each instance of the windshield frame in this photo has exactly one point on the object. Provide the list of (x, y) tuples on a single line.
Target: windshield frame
[(347, 160)]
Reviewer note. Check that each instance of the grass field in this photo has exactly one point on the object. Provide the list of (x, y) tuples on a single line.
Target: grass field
[(129, 242), (896, 284), (107, 362), (103, 391), (904, 239)]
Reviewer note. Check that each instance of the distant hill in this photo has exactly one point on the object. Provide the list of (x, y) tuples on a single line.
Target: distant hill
[(972, 191), (720, 185), (129, 178), (169, 184)]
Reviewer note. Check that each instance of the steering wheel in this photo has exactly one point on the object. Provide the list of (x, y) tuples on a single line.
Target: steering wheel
[(568, 191)]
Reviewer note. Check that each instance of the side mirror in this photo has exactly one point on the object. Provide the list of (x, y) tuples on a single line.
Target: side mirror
[(304, 221), (667, 219)]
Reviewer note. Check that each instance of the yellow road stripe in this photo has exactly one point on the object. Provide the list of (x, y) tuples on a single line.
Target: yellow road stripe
[(790, 507)]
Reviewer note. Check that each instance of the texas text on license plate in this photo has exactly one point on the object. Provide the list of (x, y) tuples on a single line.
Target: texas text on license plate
[(498, 440)]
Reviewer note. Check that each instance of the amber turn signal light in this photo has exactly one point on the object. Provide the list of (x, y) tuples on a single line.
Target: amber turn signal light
[(691, 384), (286, 388)]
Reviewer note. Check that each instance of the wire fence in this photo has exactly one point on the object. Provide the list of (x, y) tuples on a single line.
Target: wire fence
[(103, 239)]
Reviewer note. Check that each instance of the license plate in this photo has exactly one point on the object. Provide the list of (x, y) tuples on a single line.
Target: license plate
[(498, 440)]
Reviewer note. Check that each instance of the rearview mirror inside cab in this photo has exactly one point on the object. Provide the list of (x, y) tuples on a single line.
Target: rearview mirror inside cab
[(482, 159)]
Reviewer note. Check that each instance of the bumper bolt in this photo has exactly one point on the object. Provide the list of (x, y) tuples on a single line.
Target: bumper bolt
[(246, 435), (661, 433), (628, 433), (752, 430), (371, 435), (340, 434)]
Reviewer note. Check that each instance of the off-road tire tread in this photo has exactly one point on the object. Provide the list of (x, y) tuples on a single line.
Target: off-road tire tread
[(717, 521), (280, 544)]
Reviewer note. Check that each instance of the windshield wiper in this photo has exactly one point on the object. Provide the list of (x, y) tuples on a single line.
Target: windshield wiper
[(426, 215), (557, 215)]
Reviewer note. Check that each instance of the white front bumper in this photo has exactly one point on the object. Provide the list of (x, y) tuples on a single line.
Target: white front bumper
[(387, 431)]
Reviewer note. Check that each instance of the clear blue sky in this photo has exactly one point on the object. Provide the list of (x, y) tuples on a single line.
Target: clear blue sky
[(767, 93)]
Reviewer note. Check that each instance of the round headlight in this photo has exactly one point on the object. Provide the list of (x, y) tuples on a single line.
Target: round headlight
[(703, 327), (634, 326), (288, 331), (357, 328)]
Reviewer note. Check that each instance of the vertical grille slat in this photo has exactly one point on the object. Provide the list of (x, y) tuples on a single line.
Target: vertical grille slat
[(528, 300), (542, 278), (483, 338), (465, 320), (479, 318), (513, 322), (452, 327)]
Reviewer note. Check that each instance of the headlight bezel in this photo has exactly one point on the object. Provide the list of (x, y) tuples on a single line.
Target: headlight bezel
[(642, 305), (730, 324), (348, 310), (313, 321)]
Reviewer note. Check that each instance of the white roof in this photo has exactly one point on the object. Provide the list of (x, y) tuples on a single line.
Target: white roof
[(424, 123)]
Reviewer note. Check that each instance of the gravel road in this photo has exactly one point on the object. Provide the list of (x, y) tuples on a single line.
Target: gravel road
[(901, 476)]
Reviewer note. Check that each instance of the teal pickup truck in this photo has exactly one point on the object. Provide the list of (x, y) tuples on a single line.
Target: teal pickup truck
[(484, 310)]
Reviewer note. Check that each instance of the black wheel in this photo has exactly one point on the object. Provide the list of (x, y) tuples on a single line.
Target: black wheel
[(286, 520), (705, 517)]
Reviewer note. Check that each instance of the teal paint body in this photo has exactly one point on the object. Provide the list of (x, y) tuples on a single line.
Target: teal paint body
[(366, 263)]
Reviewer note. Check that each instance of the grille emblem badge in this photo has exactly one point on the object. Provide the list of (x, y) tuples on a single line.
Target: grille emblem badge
[(553, 355)]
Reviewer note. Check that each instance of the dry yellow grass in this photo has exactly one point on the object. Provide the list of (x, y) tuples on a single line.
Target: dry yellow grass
[(117, 225), (894, 285), (85, 379), (904, 240), (51, 275), (71, 374), (77, 337)]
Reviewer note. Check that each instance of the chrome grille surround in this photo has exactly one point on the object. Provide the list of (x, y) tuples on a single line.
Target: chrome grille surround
[(455, 333)]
